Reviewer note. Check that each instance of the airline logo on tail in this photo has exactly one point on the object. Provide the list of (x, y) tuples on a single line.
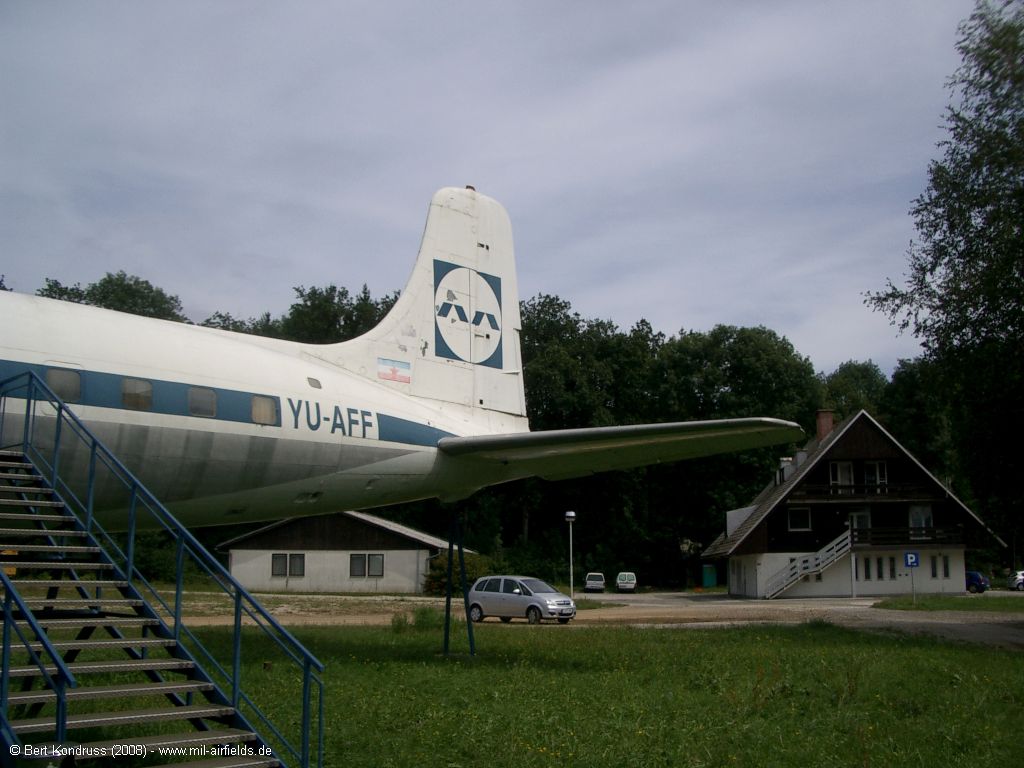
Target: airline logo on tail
[(467, 315)]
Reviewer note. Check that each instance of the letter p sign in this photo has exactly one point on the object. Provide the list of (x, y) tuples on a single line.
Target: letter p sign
[(911, 559)]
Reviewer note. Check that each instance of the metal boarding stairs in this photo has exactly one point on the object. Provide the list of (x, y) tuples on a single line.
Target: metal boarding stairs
[(799, 567), (99, 663)]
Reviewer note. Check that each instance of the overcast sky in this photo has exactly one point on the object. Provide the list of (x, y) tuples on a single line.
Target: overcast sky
[(691, 163)]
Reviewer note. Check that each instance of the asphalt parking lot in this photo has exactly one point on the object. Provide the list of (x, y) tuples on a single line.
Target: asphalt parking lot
[(695, 610)]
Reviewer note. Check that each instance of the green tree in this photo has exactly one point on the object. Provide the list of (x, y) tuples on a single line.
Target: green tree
[(964, 294), (854, 386), (119, 291)]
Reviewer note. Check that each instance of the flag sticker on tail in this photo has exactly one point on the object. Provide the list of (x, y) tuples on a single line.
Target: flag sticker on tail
[(467, 315), (394, 370)]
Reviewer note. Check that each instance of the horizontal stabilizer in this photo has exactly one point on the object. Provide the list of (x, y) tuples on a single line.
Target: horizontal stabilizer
[(563, 453)]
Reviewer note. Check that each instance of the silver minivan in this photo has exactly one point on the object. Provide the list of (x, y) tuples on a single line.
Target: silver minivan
[(517, 597)]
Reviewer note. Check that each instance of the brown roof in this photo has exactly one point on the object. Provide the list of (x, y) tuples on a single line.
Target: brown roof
[(774, 494)]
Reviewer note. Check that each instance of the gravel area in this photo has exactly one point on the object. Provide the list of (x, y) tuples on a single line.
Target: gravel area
[(661, 609)]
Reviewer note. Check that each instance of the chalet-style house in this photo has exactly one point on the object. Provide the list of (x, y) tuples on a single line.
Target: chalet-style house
[(336, 552), (853, 514)]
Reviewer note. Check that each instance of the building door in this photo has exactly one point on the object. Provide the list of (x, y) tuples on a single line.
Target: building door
[(860, 520)]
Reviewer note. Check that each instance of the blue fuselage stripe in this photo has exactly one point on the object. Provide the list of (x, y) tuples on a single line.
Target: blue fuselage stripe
[(104, 390)]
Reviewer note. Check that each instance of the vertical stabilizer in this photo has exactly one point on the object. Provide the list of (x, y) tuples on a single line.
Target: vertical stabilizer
[(453, 334)]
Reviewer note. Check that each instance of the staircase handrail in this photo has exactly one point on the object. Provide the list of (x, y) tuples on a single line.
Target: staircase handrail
[(36, 391), (58, 683), (812, 562)]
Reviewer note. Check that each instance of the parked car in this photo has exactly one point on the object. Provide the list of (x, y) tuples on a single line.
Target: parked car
[(977, 581), (626, 582), (1016, 581), (594, 582), (517, 597)]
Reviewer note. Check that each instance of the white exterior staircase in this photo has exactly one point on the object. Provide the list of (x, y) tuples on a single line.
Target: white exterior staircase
[(815, 562)]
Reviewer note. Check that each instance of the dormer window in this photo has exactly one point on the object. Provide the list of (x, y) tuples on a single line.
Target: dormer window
[(876, 477)]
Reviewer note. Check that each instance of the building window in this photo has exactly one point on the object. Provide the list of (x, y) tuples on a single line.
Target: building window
[(880, 568), (945, 566), (264, 410), (920, 521), (375, 566), (799, 518), (202, 401), (876, 477), (867, 569), (357, 566), (892, 569), (841, 477), (291, 565), (365, 566), (67, 385), (935, 567), (137, 394), (279, 565)]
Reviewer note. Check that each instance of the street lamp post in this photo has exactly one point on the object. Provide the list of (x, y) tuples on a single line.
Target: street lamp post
[(569, 517)]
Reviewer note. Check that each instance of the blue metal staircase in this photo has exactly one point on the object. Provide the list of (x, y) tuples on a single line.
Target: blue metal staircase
[(98, 662)]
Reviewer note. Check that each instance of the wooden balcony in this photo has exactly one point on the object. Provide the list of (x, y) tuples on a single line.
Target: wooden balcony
[(908, 537), (884, 492)]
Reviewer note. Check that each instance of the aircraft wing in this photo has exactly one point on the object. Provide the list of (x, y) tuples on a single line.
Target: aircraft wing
[(565, 453)]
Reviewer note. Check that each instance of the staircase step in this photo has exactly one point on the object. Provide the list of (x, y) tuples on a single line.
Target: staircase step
[(36, 517), (126, 642), (69, 583), (111, 691), (31, 503), (93, 667), (127, 717), (54, 565), (191, 739), (234, 762), (78, 622), (57, 549), (29, 532), (81, 603)]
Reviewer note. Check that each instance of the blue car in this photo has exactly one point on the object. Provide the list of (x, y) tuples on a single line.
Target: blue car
[(976, 582)]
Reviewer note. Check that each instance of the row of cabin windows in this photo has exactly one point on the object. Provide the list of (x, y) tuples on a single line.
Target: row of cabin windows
[(841, 477), (293, 565), (863, 565), (920, 516), (137, 395)]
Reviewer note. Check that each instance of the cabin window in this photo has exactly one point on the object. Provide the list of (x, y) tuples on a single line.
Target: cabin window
[(494, 585), (314, 383), (357, 566), (841, 477), (375, 566), (875, 476), (264, 410), (137, 394), (202, 401), (920, 521), (67, 385), (279, 565), (282, 564), (799, 518)]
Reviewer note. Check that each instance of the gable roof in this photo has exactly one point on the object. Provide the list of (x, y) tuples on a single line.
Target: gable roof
[(418, 537), (816, 449)]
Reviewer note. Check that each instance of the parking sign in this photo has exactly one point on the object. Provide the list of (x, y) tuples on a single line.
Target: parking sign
[(911, 559)]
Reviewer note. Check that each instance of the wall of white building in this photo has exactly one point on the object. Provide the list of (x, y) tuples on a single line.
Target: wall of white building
[(939, 572), (328, 571)]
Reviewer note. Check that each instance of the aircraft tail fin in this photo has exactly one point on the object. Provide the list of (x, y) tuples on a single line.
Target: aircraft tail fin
[(453, 334)]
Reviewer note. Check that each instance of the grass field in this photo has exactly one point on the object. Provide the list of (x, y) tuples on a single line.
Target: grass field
[(989, 603), (812, 695)]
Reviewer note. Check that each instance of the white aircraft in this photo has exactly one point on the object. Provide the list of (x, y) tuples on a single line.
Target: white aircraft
[(225, 427)]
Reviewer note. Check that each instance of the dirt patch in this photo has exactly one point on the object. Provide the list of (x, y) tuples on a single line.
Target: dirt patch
[(680, 610)]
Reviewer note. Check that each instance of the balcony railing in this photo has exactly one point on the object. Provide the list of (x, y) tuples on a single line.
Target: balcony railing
[(861, 491), (888, 537)]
